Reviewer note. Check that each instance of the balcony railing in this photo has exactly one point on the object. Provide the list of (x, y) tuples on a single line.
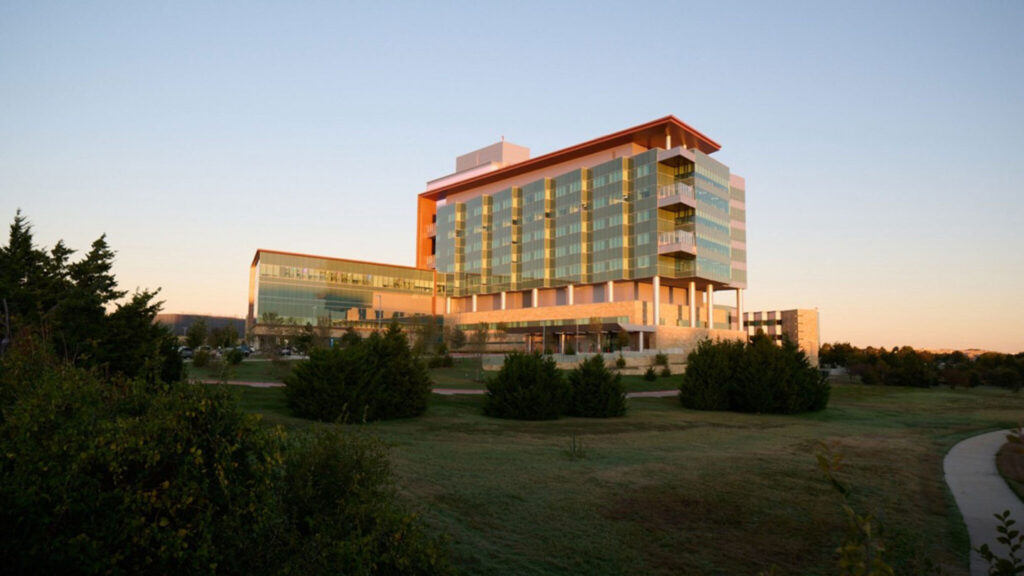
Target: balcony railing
[(676, 194), (677, 242)]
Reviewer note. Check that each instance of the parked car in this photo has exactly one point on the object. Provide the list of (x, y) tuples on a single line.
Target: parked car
[(286, 351), (185, 351)]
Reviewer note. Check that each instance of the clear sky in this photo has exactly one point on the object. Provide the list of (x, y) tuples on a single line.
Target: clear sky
[(882, 142)]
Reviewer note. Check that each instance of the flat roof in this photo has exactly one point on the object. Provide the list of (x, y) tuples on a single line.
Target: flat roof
[(648, 135), (259, 251)]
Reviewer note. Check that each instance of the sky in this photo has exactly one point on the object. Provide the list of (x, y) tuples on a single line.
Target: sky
[(881, 142)]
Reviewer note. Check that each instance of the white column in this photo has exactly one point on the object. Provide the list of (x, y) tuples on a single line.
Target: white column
[(611, 291), (474, 302), (534, 298), (692, 293), (570, 294), (447, 304), (561, 343), (641, 341), (711, 307), (657, 301), (739, 309), (502, 299)]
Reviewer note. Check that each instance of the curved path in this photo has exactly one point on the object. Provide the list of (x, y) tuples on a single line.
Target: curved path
[(980, 492)]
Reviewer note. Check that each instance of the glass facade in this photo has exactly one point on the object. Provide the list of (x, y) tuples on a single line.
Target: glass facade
[(629, 218), (300, 289)]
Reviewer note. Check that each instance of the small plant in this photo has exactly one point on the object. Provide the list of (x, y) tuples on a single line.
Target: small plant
[(201, 359), (660, 360), (862, 549), (620, 363), (576, 448), (650, 375), (1013, 539), (665, 372)]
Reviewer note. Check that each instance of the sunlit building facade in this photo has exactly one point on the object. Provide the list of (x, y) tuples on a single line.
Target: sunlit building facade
[(632, 233)]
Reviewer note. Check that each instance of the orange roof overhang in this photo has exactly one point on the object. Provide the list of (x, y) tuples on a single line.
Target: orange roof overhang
[(649, 135)]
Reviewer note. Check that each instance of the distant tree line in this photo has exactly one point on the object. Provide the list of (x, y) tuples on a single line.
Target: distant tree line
[(905, 366)]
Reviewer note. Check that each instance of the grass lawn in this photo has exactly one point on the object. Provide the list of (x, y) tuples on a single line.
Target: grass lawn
[(666, 490), (250, 370)]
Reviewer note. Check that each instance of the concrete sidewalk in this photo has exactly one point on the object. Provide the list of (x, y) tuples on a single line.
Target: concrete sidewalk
[(980, 492), (441, 391)]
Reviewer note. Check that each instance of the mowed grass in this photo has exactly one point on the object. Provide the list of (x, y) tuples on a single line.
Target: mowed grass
[(250, 370), (666, 490)]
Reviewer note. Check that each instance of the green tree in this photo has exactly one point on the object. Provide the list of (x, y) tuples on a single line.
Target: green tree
[(196, 334), (456, 337), (528, 387), (69, 306), (594, 391), (377, 378), (478, 340)]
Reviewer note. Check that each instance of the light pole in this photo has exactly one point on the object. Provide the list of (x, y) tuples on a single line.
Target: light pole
[(380, 313)]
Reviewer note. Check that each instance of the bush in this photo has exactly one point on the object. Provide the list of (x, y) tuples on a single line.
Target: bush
[(570, 350), (709, 375), (528, 387), (442, 359), (127, 477), (201, 359), (660, 360), (650, 375), (665, 372), (377, 378), (758, 377), (234, 356), (594, 391), (620, 363)]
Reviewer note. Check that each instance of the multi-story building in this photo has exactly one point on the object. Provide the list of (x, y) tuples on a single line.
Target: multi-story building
[(633, 231), (629, 234), (800, 326)]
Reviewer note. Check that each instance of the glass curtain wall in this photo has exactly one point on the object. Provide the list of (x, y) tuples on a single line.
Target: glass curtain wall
[(609, 210), (304, 289), (711, 186)]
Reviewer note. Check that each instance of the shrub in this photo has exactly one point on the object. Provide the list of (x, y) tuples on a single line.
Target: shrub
[(620, 362), (660, 359), (570, 350), (377, 378), (201, 359), (594, 391), (665, 372), (528, 387), (234, 356), (709, 375), (758, 377), (650, 375), (441, 359), (127, 477)]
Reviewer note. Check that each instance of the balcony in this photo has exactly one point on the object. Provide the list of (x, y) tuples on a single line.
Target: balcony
[(677, 243), (676, 197), (431, 229)]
